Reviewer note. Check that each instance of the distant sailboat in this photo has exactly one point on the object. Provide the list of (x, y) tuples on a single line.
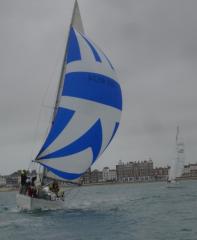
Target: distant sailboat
[(177, 166), (86, 114)]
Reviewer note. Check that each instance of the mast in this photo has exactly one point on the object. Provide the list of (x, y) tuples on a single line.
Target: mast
[(76, 22)]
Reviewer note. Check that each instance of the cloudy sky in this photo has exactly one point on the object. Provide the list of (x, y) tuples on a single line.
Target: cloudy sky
[(151, 43)]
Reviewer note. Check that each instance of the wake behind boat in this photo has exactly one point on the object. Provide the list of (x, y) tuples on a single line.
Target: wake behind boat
[(85, 119)]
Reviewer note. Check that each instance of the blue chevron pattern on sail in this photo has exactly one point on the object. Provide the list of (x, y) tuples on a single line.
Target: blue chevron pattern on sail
[(73, 47), (62, 118), (109, 61), (61, 174), (96, 54), (82, 48), (113, 134), (97, 51), (92, 138)]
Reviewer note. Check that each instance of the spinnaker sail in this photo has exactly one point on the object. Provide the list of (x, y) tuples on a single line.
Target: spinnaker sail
[(88, 108)]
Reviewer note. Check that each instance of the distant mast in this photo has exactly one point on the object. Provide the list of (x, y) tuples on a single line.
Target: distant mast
[(180, 158)]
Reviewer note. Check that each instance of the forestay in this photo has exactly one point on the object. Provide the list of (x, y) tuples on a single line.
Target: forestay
[(88, 110)]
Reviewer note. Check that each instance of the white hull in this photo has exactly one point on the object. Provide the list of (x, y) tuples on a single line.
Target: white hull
[(25, 202)]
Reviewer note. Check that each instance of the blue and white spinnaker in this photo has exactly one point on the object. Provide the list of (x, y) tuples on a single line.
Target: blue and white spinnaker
[(88, 110)]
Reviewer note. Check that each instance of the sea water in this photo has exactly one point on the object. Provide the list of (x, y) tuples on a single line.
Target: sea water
[(146, 211)]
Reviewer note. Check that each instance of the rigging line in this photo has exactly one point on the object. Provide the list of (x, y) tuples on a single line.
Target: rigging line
[(59, 90), (42, 104), (30, 165), (33, 166)]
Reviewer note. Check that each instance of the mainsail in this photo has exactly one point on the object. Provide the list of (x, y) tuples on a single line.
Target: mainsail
[(88, 107), (176, 169)]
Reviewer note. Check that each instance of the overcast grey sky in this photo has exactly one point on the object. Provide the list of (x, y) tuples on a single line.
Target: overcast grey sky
[(151, 43)]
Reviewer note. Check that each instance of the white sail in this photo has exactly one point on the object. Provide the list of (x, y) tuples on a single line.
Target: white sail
[(177, 166)]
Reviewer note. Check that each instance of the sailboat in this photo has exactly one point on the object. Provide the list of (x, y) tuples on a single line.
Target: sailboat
[(86, 114), (176, 168)]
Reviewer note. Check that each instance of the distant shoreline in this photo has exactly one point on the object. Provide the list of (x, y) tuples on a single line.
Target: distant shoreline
[(118, 183), (136, 182), (8, 189), (13, 189)]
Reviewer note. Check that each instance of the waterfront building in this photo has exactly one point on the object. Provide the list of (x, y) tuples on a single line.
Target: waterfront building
[(86, 177), (109, 175), (186, 171), (193, 170), (2, 181), (13, 180), (161, 173), (112, 175), (105, 174), (190, 170), (96, 176), (135, 171)]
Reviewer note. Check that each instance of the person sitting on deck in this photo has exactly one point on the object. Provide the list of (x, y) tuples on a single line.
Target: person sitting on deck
[(55, 187)]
